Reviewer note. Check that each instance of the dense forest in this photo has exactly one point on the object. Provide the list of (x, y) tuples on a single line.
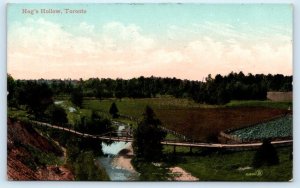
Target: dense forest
[(217, 90)]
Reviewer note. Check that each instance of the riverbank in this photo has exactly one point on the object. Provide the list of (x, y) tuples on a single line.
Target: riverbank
[(123, 159), (181, 175)]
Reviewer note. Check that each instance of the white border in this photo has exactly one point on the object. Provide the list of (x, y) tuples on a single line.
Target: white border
[(3, 105)]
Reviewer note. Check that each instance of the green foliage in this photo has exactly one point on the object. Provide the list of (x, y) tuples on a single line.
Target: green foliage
[(113, 110), (149, 172), (37, 157), (86, 168), (81, 156), (265, 155), (77, 97), (11, 87), (135, 107), (18, 114), (281, 127), (36, 96), (217, 90), (56, 114), (261, 103), (228, 166), (147, 137)]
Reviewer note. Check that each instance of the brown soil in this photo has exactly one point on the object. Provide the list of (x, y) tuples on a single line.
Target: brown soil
[(55, 173), (19, 137), (205, 123), (181, 175), (123, 159)]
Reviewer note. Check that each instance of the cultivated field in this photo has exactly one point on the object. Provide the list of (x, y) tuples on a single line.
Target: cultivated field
[(197, 121), (277, 128), (205, 124)]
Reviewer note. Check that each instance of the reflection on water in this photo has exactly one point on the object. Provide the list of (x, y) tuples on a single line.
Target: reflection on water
[(115, 173), (58, 102), (114, 148), (110, 151), (72, 109)]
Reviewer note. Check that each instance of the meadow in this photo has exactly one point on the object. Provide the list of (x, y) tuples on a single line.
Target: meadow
[(234, 166), (196, 121)]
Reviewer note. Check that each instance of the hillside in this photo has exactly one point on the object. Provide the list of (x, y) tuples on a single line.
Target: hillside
[(31, 156)]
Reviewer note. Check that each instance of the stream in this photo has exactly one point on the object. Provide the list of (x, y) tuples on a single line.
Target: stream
[(110, 151)]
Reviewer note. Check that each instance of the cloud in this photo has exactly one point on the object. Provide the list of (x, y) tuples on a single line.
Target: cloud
[(40, 48), (117, 35), (86, 28)]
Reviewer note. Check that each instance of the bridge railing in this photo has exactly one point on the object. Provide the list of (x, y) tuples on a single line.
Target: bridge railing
[(175, 142)]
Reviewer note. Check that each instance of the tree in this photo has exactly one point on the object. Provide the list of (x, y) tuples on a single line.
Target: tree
[(36, 96), (11, 87), (148, 137), (265, 155), (56, 114), (113, 110), (77, 97)]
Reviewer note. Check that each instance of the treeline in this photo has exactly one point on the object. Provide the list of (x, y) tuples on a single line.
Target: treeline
[(217, 90), (37, 99)]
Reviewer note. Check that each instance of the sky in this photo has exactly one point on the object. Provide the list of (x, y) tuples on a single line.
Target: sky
[(187, 41)]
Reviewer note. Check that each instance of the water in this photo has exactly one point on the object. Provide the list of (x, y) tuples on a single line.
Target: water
[(114, 148), (72, 109), (58, 102), (115, 173)]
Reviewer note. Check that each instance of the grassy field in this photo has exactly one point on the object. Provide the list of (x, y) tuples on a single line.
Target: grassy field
[(198, 121), (136, 107), (255, 103), (208, 165), (232, 166)]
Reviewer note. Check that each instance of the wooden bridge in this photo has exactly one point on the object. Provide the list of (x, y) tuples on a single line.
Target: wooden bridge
[(128, 138)]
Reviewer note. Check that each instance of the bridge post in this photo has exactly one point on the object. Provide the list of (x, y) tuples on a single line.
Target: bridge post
[(191, 150), (174, 149)]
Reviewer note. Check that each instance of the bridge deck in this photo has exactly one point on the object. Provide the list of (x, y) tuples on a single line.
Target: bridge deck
[(165, 142)]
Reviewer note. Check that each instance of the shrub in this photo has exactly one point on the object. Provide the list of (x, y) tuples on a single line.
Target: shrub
[(265, 155)]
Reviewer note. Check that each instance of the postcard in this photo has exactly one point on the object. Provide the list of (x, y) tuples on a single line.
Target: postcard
[(149, 92)]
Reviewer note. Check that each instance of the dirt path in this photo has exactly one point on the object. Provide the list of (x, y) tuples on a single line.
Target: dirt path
[(182, 175)]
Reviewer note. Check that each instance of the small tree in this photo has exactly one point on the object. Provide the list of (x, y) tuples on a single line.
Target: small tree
[(113, 110), (148, 137), (77, 97), (265, 155), (56, 114)]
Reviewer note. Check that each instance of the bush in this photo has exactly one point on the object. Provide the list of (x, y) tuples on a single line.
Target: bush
[(265, 155), (56, 114), (114, 110)]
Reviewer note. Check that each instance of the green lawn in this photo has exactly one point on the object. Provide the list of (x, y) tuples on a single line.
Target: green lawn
[(17, 113), (135, 107), (225, 166), (256, 103), (209, 165)]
